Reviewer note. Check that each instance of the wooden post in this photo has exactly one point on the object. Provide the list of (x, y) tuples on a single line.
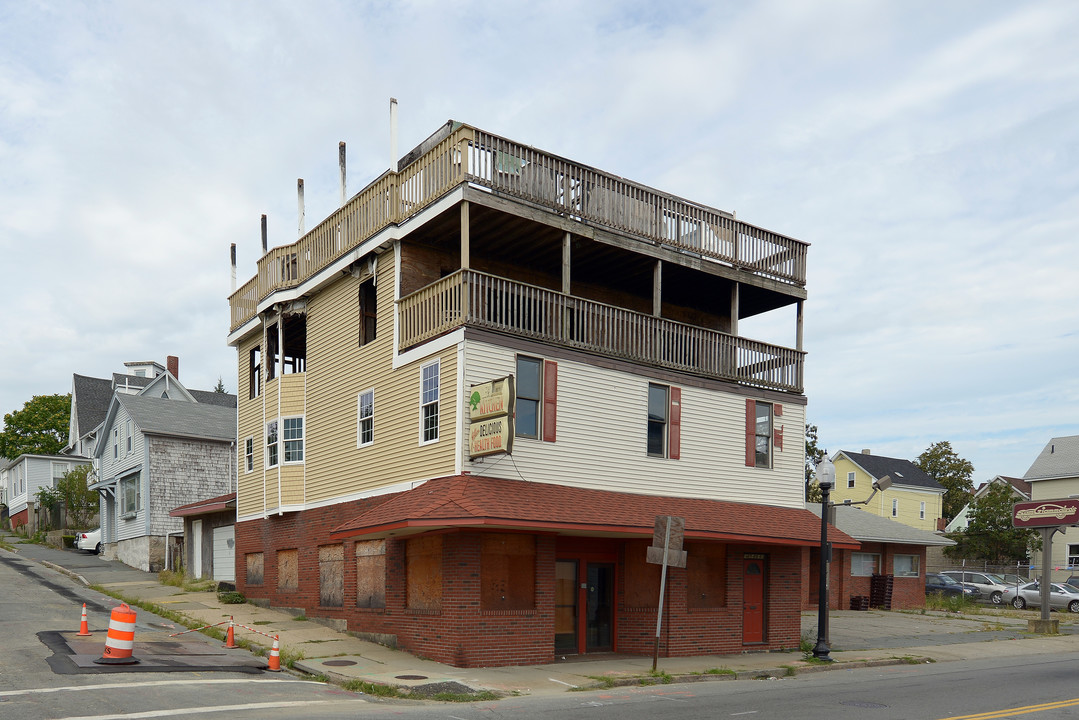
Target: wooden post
[(735, 301), (566, 264), (800, 322), (657, 289), (465, 285)]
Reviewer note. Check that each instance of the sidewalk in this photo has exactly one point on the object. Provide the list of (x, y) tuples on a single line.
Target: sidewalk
[(858, 639)]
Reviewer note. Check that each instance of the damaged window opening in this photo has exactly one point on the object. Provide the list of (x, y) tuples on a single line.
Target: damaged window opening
[(294, 358), (368, 311), (255, 373)]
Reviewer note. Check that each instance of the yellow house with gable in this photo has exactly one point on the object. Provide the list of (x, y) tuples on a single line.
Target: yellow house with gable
[(914, 499)]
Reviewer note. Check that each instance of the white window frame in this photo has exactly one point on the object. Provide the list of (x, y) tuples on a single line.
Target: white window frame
[(365, 421), (249, 454), (272, 455), (53, 468), (1073, 554), (913, 569), (895, 507), (520, 400), (290, 441), (134, 480), (130, 431), (850, 479), (921, 511), (766, 437), (426, 404), (858, 561), (115, 443), (663, 422)]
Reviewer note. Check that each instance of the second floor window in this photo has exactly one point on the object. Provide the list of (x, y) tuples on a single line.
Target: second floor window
[(130, 433), (850, 479), (130, 494), (271, 444), (921, 511), (255, 373), (529, 398), (895, 508), (293, 439), (249, 454), (429, 402), (763, 435), (657, 420), (368, 311), (365, 414)]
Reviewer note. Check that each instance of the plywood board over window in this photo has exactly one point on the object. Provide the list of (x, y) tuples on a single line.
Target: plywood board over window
[(331, 575), (423, 573), (288, 569), (507, 572), (255, 568), (642, 577), (371, 574), (706, 576)]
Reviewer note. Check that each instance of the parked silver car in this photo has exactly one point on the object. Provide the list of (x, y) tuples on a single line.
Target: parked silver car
[(1061, 597), (989, 586), (90, 540)]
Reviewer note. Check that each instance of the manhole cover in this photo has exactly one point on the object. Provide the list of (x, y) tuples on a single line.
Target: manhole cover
[(339, 663), (861, 704), (410, 677)]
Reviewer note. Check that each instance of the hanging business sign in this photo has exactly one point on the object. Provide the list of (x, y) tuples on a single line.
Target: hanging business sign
[(490, 411), (1046, 513)]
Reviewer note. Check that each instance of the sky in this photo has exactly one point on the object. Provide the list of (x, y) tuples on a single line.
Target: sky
[(928, 152)]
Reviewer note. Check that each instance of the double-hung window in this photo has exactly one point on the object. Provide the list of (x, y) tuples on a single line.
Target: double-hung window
[(292, 429), (864, 564), (130, 433), (763, 435), (905, 566), (895, 507), (429, 402), (850, 479), (368, 311), (130, 494), (921, 511), (529, 396), (249, 454), (271, 444), (658, 406), (365, 422)]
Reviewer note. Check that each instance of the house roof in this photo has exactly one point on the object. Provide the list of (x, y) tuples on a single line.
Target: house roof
[(1059, 458), (203, 507), (867, 527), (92, 397), (902, 472), (209, 397), (130, 381), (481, 502), (158, 416), (1018, 484)]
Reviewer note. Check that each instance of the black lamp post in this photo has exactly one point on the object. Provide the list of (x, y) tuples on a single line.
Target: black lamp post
[(825, 480)]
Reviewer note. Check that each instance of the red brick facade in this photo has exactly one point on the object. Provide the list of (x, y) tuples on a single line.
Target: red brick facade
[(907, 592), (20, 518), (463, 634)]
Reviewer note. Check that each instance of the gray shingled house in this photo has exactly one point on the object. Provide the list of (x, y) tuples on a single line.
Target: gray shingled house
[(158, 449)]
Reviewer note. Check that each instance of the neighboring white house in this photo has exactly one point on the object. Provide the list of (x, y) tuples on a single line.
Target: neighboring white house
[(160, 448), (1055, 474), (1020, 490), (27, 474)]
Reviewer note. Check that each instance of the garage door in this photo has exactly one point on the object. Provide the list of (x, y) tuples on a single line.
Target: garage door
[(225, 554)]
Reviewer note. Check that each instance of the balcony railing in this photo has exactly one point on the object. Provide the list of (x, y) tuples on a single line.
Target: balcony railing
[(476, 299), (467, 155)]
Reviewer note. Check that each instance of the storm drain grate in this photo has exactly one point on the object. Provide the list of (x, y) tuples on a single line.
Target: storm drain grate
[(410, 677), (339, 663)]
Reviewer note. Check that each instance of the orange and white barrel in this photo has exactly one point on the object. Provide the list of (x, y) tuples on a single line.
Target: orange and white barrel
[(120, 641)]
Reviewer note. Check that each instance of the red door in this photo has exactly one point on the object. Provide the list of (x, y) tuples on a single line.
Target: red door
[(753, 600)]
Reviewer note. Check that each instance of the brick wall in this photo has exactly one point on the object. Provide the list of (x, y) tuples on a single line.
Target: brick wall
[(463, 634)]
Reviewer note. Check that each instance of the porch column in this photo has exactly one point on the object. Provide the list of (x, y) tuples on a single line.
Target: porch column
[(657, 289), (799, 323), (566, 264), (734, 308), (464, 261)]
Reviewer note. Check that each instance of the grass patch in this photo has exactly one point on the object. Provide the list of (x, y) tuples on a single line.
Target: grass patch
[(176, 578), (369, 688), (661, 676), (952, 604), (603, 680), (263, 622), (300, 618), (791, 670), (719, 671), (231, 597), (465, 697)]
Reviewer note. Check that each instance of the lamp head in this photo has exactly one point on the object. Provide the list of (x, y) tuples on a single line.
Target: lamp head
[(883, 483), (825, 474)]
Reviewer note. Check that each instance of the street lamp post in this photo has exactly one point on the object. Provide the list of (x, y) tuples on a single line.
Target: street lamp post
[(825, 480)]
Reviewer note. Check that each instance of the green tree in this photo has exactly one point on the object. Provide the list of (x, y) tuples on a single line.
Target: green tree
[(39, 428), (220, 386), (989, 535), (49, 499), (81, 502), (954, 473), (814, 454)]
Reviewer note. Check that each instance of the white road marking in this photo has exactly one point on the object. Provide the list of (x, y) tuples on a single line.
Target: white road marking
[(197, 710), (747, 712), (79, 688), (562, 683)]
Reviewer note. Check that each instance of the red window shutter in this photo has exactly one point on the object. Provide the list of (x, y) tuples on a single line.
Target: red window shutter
[(777, 437), (777, 410), (674, 432), (751, 433), (550, 400)]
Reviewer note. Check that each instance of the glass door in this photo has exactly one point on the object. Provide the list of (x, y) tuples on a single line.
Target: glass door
[(599, 591), (565, 606)]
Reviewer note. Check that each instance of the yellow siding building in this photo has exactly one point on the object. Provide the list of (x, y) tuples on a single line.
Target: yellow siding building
[(914, 499)]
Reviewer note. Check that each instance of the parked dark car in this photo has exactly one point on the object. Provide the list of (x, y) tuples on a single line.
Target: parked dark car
[(1073, 581), (945, 585)]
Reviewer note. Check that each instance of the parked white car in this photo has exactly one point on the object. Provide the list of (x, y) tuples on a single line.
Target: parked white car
[(89, 541), (990, 587), (1061, 597)]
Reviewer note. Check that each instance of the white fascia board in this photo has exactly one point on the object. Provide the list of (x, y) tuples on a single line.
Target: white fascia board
[(330, 273), (385, 490)]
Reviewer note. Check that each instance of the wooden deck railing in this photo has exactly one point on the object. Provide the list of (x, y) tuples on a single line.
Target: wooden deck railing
[(467, 155), (480, 300)]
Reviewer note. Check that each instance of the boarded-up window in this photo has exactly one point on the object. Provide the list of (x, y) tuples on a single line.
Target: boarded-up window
[(507, 572), (642, 578), (423, 573), (254, 568), (371, 574), (288, 570), (706, 575), (331, 575)]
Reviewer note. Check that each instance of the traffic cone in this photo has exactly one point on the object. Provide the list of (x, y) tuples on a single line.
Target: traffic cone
[(84, 629), (275, 655), (230, 637), (121, 638)]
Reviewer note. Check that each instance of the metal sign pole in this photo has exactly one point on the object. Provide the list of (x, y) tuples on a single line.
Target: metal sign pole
[(662, 587)]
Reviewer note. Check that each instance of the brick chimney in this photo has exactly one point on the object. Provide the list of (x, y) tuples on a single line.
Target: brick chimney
[(865, 451), (172, 364)]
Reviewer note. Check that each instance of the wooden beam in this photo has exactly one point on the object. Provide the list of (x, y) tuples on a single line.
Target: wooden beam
[(464, 235), (735, 304), (800, 323), (657, 289), (566, 275)]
